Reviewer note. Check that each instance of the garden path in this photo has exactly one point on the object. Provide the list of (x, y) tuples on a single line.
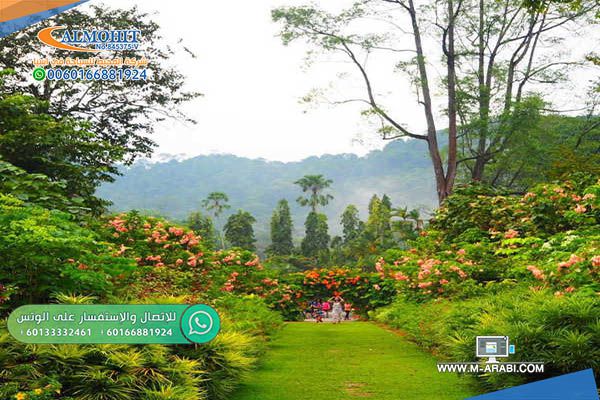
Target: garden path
[(309, 361)]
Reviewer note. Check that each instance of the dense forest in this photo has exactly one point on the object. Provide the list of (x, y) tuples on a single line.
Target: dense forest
[(176, 188)]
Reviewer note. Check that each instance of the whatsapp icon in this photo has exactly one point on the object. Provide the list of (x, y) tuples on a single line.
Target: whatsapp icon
[(200, 323)]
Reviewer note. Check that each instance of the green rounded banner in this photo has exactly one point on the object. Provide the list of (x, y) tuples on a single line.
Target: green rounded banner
[(114, 323)]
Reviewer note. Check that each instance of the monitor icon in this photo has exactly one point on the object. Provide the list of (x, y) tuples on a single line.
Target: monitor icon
[(491, 347)]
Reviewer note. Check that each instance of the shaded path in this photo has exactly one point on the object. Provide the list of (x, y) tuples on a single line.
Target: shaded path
[(309, 361)]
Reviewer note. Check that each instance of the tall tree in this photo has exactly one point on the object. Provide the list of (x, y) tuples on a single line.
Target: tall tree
[(488, 53), (314, 185), (203, 226), (216, 202), (378, 227), (316, 240), (239, 231), (351, 223), (281, 230)]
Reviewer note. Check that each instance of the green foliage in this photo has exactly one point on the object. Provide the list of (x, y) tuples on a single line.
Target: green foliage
[(252, 184), (38, 189), (216, 202), (351, 224), (316, 241), (281, 230), (61, 148), (49, 252), (124, 111), (314, 185), (203, 226), (562, 332), (378, 230), (239, 231)]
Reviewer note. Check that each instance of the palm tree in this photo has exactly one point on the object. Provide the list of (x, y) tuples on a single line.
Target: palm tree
[(314, 185), (216, 202)]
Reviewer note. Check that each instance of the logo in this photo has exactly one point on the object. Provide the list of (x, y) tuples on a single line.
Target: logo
[(83, 40), (491, 348), (200, 323), (39, 74)]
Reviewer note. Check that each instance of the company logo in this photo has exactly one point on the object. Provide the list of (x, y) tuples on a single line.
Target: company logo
[(491, 348), (83, 40)]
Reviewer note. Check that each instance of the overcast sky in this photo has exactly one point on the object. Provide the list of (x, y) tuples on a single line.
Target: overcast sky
[(252, 86)]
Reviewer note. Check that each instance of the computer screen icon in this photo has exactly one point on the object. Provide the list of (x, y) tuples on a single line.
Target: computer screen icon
[(491, 347)]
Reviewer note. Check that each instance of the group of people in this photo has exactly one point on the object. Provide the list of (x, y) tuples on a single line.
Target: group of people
[(337, 306)]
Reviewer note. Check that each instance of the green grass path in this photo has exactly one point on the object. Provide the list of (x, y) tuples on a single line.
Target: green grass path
[(308, 361)]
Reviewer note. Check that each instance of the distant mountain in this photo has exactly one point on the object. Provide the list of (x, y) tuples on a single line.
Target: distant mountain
[(175, 188)]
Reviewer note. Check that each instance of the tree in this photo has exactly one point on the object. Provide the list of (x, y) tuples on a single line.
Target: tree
[(203, 226), (120, 113), (63, 149), (351, 224), (316, 240), (488, 51), (216, 202), (239, 231), (281, 230), (314, 185), (378, 228)]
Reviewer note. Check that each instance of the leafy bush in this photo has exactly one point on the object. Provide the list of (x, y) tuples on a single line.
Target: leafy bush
[(46, 251), (562, 332), (82, 372)]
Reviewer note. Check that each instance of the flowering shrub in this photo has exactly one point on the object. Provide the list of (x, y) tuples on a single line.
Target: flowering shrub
[(365, 291), (475, 212), (172, 261)]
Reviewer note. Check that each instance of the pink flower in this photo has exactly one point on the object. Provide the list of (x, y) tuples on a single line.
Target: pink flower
[(399, 276), (580, 209), (376, 287), (537, 273), (529, 195), (424, 285), (570, 289), (176, 231), (461, 252), (596, 261), (589, 196), (510, 234), (192, 261), (443, 281)]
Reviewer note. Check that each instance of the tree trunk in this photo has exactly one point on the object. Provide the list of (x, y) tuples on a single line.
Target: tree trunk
[(452, 126), (434, 152)]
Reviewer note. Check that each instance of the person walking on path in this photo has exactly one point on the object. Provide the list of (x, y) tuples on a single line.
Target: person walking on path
[(337, 301), (326, 308), (347, 309), (316, 307)]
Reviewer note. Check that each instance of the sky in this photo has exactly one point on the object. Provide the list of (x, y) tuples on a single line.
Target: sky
[(252, 85)]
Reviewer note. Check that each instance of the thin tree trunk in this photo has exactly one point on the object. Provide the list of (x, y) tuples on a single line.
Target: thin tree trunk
[(452, 128), (434, 153)]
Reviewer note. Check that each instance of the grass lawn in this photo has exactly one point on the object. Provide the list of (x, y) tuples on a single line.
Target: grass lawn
[(309, 361)]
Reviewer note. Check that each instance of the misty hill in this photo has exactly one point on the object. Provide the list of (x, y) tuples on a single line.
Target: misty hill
[(175, 188)]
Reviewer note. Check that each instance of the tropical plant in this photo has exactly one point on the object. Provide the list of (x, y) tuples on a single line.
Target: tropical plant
[(314, 185), (239, 231)]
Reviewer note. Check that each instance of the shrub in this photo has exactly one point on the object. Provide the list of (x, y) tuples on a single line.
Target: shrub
[(562, 332), (46, 251)]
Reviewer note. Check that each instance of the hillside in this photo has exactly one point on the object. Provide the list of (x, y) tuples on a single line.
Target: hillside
[(175, 188)]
